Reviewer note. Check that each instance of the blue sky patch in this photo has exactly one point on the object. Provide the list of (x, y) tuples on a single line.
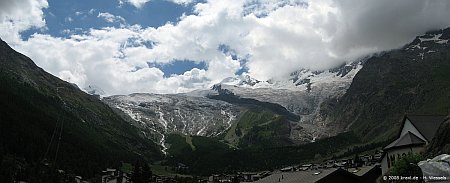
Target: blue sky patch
[(228, 51), (78, 16), (64, 18), (178, 67)]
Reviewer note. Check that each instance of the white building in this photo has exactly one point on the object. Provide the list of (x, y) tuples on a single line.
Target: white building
[(416, 132)]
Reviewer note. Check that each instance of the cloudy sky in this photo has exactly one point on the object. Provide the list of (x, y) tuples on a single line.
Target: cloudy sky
[(172, 46)]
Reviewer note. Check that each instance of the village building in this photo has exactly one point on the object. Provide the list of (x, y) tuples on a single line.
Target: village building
[(78, 179), (111, 175), (239, 177), (367, 174), (416, 132)]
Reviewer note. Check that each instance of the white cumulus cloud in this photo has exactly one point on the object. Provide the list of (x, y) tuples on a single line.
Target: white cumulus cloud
[(137, 3), (140, 3), (276, 37), (110, 17), (19, 15)]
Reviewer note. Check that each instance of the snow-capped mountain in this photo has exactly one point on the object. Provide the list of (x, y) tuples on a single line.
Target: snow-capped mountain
[(194, 113), (291, 92), (302, 94)]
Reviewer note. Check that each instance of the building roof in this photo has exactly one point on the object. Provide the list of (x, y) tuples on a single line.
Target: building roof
[(408, 139), (298, 176), (340, 175), (361, 171), (427, 125), (310, 176)]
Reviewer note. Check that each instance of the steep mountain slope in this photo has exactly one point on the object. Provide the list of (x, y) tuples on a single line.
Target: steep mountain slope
[(44, 119), (413, 79), (441, 141)]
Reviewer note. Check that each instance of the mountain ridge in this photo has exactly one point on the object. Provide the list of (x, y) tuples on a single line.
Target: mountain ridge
[(412, 79), (36, 104)]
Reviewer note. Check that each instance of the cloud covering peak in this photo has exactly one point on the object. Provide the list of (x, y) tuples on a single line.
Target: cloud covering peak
[(268, 39)]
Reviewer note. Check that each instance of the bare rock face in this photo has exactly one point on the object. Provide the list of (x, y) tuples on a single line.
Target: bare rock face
[(162, 114)]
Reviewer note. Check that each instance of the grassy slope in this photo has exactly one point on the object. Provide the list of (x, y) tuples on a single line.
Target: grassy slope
[(258, 127), (212, 156)]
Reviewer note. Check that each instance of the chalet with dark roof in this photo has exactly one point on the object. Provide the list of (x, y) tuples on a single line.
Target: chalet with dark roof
[(366, 174), (312, 176), (416, 132)]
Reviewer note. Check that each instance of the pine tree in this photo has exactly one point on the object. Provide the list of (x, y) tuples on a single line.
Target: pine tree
[(137, 173), (146, 173)]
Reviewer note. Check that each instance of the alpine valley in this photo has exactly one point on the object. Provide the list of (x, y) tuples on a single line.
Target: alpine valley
[(239, 124), (361, 101), (230, 109)]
